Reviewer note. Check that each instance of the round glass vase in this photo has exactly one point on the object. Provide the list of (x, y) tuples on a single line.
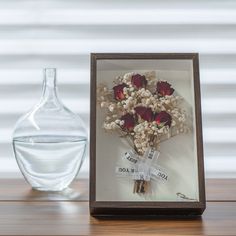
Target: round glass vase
[(49, 142)]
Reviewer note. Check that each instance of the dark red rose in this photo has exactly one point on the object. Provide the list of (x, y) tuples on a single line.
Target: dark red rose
[(118, 91), (139, 81), (164, 88), (144, 112), (163, 118), (129, 122)]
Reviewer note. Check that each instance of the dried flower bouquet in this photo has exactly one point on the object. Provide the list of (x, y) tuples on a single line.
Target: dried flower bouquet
[(145, 111)]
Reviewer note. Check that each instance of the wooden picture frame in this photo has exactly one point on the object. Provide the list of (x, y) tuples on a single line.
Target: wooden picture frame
[(102, 202)]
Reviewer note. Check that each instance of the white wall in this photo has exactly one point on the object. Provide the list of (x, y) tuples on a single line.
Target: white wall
[(61, 33)]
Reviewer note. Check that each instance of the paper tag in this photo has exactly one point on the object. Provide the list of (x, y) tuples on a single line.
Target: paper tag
[(158, 173), (125, 171), (131, 157), (150, 155)]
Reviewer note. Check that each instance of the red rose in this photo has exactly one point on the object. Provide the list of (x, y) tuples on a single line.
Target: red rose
[(118, 91), (164, 88), (144, 112), (129, 122), (163, 117), (139, 81)]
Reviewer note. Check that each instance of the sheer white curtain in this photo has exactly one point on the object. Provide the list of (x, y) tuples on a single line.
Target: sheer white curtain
[(61, 33)]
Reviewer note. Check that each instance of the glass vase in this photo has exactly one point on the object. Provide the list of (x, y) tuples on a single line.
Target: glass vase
[(49, 142)]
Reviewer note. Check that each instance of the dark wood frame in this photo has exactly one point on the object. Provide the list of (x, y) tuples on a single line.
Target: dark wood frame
[(119, 208)]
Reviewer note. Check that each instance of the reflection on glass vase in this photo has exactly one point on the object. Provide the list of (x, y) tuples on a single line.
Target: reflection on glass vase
[(49, 142)]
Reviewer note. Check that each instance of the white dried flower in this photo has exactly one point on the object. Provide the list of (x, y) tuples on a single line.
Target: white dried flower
[(113, 125), (103, 104), (117, 121), (127, 76), (111, 107)]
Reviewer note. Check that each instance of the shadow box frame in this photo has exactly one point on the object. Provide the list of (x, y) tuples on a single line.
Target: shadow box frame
[(124, 209)]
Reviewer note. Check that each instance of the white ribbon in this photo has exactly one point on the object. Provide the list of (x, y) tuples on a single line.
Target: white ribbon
[(141, 168)]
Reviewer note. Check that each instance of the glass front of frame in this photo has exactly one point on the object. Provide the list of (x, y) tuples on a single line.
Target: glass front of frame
[(146, 108)]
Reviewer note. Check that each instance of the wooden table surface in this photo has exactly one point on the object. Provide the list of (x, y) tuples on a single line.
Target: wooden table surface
[(27, 212)]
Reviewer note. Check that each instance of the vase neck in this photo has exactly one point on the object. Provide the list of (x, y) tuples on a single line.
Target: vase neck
[(50, 86)]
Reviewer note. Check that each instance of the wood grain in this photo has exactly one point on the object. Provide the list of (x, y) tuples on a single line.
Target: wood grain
[(19, 190), (221, 189), (27, 212), (72, 218)]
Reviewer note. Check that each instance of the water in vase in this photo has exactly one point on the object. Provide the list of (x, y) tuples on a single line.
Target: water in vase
[(49, 163)]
